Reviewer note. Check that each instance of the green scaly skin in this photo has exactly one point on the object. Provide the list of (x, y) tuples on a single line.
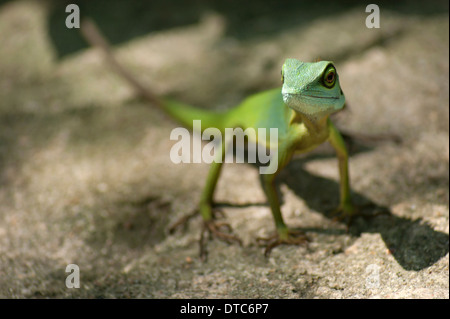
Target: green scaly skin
[(300, 111)]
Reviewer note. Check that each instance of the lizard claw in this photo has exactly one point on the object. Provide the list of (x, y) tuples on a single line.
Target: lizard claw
[(291, 237), (348, 213), (220, 230), (345, 213), (182, 221)]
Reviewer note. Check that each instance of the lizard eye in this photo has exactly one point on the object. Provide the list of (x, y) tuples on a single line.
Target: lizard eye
[(329, 77)]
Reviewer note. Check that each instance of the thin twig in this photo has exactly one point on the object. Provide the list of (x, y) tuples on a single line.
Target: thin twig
[(92, 34)]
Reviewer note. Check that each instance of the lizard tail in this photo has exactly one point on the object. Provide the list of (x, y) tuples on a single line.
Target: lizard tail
[(185, 114)]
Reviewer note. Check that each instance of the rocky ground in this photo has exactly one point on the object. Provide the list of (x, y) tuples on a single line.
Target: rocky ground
[(86, 178)]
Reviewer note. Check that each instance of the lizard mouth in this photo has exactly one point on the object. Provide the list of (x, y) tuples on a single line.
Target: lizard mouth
[(313, 104), (323, 97), (299, 95)]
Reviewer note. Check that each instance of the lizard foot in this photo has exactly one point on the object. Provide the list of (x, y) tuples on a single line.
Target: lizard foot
[(290, 237), (183, 220), (348, 213), (220, 230)]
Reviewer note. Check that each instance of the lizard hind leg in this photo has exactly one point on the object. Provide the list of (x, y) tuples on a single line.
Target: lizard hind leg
[(219, 230), (206, 210), (283, 235)]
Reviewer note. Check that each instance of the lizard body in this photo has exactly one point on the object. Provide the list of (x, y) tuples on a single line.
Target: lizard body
[(300, 111)]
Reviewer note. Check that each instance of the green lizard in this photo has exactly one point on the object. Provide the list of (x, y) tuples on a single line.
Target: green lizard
[(300, 111)]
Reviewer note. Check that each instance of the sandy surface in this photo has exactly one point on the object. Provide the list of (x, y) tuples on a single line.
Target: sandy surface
[(86, 178)]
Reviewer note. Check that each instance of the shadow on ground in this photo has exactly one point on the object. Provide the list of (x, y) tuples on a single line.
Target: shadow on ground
[(135, 224), (244, 21), (413, 243)]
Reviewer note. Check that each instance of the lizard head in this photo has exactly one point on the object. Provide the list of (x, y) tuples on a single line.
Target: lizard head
[(312, 89)]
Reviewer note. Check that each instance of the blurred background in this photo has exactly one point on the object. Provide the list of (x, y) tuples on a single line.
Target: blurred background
[(85, 174)]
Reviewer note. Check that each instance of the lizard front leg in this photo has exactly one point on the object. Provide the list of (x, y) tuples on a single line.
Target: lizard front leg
[(346, 210)]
